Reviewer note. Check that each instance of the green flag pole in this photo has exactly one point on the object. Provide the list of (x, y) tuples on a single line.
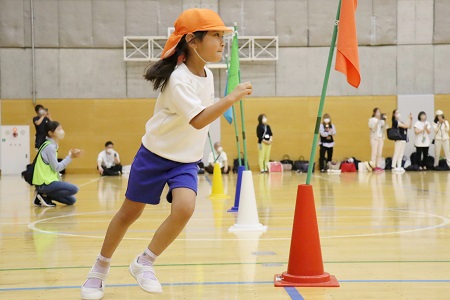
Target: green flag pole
[(241, 103), (211, 145), (322, 97)]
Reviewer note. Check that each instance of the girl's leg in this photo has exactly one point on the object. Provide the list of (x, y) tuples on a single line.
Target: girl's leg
[(183, 205), (402, 153), (127, 214), (425, 155), (437, 151), (380, 144), (329, 154), (374, 144), (396, 154), (267, 155), (418, 156), (446, 147), (60, 191), (261, 157), (322, 158)]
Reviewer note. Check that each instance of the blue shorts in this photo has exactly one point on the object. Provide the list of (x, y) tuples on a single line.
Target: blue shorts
[(149, 174)]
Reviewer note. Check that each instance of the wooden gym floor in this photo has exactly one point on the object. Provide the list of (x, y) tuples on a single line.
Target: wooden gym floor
[(384, 236)]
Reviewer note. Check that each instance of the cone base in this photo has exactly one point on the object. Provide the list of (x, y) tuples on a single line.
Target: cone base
[(219, 196), (233, 209), (251, 227), (324, 280)]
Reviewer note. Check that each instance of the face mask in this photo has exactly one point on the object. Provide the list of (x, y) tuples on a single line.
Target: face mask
[(326, 120), (60, 134), (398, 116), (110, 150), (264, 120), (219, 150), (41, 112)]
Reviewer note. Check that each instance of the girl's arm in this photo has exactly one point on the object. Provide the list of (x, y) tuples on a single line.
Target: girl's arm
[(427, 127), (49, 157), (211, 113), (446, 128), (38, 122), (333, 130), (322, 131), (402, 125)]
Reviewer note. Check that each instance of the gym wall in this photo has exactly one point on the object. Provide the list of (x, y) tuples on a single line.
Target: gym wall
[(89, 123)]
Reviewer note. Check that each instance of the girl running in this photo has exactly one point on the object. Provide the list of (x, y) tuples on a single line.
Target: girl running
[(172, 144)]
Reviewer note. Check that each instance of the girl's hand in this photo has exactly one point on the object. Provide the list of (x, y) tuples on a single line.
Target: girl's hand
[(75, 153), (242, 90)]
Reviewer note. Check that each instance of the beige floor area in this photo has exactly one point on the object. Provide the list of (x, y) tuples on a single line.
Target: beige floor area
[(384, 236)]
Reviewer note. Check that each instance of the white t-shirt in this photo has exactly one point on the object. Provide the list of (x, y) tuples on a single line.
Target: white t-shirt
[(422, 139), (376, 128), (220, 158), (168, 133), (106, 159)]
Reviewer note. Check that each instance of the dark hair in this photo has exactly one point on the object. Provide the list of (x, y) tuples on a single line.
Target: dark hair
[(375, 111), (38, 107), (393, 115), (51, 126), (159, 72), (109, 143), (436, 118), (260, 117), (421, 114)]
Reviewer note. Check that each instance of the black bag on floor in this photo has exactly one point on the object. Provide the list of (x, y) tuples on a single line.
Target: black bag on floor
[(29, 172), (287, 163), (299, 164), (442, 165), (413, 158), (429, 162), (412, 168), (388, 163)]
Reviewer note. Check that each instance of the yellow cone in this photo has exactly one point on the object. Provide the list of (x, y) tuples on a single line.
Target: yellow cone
[(217, 184)]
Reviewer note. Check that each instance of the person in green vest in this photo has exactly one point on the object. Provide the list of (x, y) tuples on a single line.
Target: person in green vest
[(46, 177)]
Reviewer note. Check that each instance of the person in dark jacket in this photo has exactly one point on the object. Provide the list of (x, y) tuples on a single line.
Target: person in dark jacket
[(265, 137)]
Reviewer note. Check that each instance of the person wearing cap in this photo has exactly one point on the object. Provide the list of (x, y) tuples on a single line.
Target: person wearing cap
[(172, 144), (441, 137)]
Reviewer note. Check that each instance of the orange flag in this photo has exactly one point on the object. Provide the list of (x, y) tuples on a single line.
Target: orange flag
[(347, 59)]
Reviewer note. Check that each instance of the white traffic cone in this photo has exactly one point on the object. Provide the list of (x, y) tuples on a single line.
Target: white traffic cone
[(247, 219)]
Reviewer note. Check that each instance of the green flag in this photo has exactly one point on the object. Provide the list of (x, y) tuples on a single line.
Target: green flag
[(232, 73)]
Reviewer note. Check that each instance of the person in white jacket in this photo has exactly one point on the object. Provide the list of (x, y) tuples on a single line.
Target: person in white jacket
[(441, 137), (422, 129), (377, 126)]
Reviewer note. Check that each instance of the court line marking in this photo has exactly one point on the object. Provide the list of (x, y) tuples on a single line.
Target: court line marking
[(227, 283), (231, 263), (293, 293), (444, 223)]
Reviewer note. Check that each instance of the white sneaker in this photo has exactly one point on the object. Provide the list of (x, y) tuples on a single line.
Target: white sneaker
[(400, 170), (137, 271), (94, 293)]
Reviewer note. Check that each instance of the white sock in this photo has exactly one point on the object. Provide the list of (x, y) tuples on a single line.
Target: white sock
[(101, 266), (147, 259)]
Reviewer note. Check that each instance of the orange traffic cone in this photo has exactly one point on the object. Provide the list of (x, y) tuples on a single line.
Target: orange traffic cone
[(305, 266), (217, 184)]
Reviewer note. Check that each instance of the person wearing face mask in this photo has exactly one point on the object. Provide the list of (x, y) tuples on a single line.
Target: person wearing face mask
[(220, 157), (399, 147), (46, 178), (265, 138), (377, 125), (108, 161), (422, 129), (327, 132), (441, 137), (42, 117)]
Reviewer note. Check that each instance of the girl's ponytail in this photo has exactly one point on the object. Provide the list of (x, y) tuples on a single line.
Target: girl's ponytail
[(159, 73)]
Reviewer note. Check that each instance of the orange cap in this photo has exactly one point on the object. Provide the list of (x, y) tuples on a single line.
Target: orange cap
[(190, 21)]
